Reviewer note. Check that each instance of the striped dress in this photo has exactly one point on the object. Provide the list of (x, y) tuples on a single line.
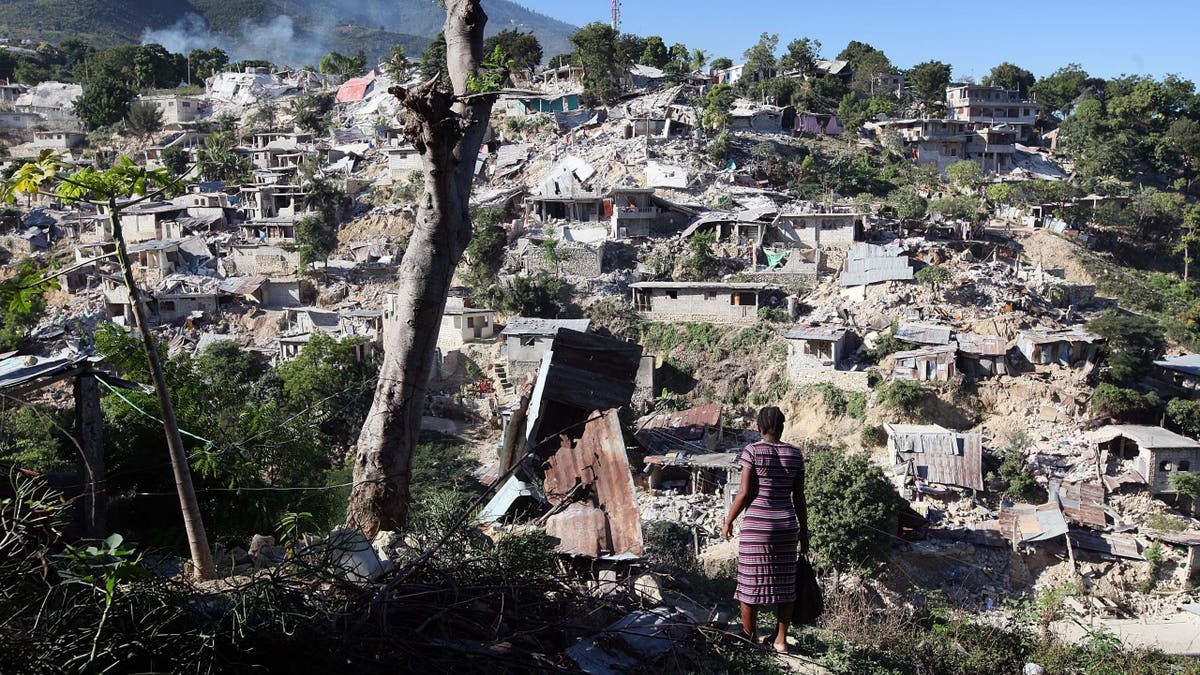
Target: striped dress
[(770, 535)]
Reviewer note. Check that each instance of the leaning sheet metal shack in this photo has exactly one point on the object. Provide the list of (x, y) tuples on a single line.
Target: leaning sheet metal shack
[(573, 427), (934, 454)]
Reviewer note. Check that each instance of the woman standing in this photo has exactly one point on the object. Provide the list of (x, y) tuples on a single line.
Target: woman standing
[(772, 495)]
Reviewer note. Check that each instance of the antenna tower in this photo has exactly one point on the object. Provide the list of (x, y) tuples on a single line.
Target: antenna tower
[(616, 15)]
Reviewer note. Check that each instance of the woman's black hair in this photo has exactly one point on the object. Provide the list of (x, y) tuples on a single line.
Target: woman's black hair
[(770, 421)]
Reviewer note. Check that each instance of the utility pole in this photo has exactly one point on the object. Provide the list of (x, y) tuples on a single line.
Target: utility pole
[(616, 15)]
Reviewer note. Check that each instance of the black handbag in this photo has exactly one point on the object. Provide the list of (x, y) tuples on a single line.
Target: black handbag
[(809, 605)]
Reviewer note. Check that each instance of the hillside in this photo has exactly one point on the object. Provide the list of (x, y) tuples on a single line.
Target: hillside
[(304, 27)]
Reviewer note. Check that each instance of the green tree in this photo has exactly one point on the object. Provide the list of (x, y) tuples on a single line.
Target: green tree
[(699, 263), (144, 120), (1187, 485), (699, 59), (965, 175), (801, 56), (909, 204), (852, 510), (1058, 92), (604, 65), (484, 257), (1010, 76), (655, 53), (929, 80), (175, 160), (1185, 415), (523, 49), (679, 60), (208, 62), (721, 63), (433, 62), (760, 58), (311, 113), (718, 107), (934, 276), (102, 103), (855, 52), (1184, 135), (317, 238), (1133, 343), (22, 302), (873, 68), (396, 65), (217, 160), (107, 189), (154, 66), (336, 63)]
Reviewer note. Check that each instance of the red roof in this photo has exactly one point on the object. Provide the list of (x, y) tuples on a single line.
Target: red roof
[(355, 89)]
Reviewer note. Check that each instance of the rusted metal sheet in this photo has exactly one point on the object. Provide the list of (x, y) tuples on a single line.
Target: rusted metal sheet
[(1119, 545), (684, 430), (1082, 503), (595, 470), (937, 455), (1026, 523), (982, 345), (923, 334)]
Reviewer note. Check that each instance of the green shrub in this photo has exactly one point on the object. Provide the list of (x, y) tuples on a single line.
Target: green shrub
[(1124, 404), (901, 395), (852, 509), (773, 315), (1165, 522), (873, 436), (669, 543)]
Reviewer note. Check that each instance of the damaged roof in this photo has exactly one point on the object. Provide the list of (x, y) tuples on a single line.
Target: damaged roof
[(1046, 336), (1025, 523), (822, 333), (923, 334), (937, 455), (1082, 503), (1143, 436), (982, 345), (532, 326), (1188, 364)]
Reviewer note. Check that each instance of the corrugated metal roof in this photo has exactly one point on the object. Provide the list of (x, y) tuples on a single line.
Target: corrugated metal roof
[(17, 370), (936, 350), (1145, 437), (937, 455), (242, 286), (1082, 503), (534, 326), (668, 431), (982, 345), (923, 334), (825, 333), (607, 522), (1188, 364), (1045, 336), (1026, 523), (1119, 545)]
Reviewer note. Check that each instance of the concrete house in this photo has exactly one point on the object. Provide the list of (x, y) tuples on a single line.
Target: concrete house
[(988, 106), (462, 324), (721, 302), (929, 364), (176, 110), (936, 142), (819, 230), (1072, 347), (403, 160), (526, 340), (1153, 453), (263, 202), (263, 291), (818, 354), (145, 222), (569, 191), (53, 101), (262, 260), (993, 147), (15, 120), (154, 260), (58, 140), (181, 297), (631, 212)]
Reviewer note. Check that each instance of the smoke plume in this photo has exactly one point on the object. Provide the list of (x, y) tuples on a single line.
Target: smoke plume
[(276, 40)]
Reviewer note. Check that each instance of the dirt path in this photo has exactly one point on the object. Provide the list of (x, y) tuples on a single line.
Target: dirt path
[(1174, 634)]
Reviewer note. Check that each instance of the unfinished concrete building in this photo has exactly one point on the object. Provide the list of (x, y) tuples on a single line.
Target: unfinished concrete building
[(984, 106), (568, 192), (820, 229), (526, 341), (716, 301)]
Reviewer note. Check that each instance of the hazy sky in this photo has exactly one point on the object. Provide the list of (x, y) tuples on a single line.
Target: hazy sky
[(1107, 38)]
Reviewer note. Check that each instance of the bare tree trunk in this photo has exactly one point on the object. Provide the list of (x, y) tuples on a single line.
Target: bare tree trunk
[(88, 430), (193, 524), (447, 129)]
